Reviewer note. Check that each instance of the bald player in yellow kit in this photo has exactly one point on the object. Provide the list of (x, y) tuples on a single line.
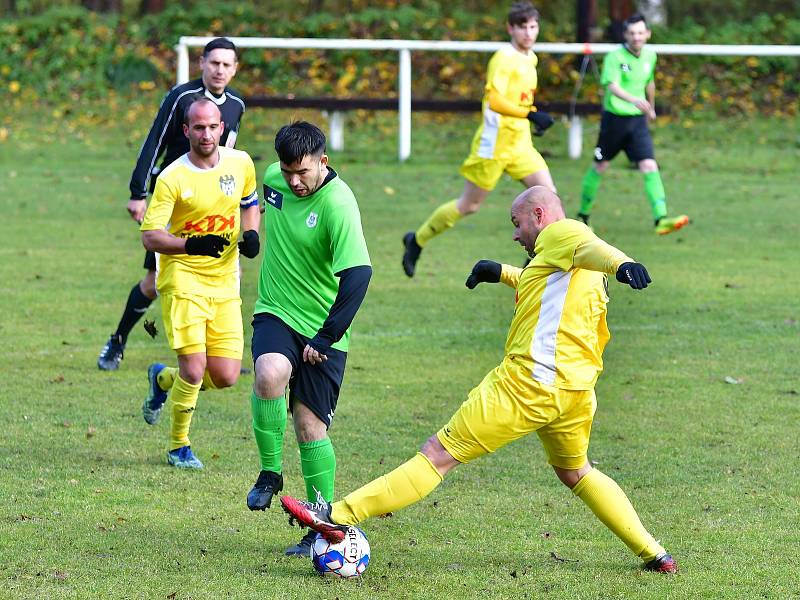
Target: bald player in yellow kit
[(545, 383), (201, 202), (502, 144)]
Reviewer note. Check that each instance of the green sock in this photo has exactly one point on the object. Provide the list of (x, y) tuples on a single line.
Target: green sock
[(654, 189), (591, 183), (269, 424), (318, 462)]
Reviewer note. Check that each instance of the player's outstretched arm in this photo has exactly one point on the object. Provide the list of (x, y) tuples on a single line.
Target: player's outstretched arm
[(634, 274), (484, 271)]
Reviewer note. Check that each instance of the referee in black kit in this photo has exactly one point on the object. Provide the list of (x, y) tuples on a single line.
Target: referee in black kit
[(218, 65)]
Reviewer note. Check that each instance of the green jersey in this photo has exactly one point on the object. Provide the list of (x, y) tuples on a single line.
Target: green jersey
[(308, 240), (630, 72)]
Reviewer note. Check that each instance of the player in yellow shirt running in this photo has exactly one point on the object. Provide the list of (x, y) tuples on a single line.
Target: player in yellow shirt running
[(503, 141), (545, 383), (192, 220)]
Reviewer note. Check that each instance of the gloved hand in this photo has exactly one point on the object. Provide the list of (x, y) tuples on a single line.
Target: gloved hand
[(484, 271), (541, 120), (249, 246), (634, 274), (206, 245)]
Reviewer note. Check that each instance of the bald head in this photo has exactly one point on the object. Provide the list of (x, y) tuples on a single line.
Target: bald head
[(204, 129), (541, 197), (533, 210)]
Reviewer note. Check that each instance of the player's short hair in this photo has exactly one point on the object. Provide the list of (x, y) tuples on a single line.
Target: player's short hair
[(522, 12), (217, 43), (194, 99), (300, 139), (633, 19)]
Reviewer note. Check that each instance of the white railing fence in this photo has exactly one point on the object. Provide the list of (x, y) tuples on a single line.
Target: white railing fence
[(405, 47)]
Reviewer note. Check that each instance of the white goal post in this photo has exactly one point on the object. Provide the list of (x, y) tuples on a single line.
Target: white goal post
[(405, 47)]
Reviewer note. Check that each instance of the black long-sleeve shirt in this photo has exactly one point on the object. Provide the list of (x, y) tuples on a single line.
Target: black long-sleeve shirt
[(353, 283), (166, 134)]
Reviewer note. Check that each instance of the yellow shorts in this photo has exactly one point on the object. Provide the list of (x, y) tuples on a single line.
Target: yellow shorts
[(199, 324), (508, 404), (519, 162)]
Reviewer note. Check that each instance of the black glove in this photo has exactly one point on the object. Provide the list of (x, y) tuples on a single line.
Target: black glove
[(634, 274), (484, 271), (206, 245), (249, 246), (541, 120)]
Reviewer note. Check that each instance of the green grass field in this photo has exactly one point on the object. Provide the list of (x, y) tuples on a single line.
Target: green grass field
[(91, 510)]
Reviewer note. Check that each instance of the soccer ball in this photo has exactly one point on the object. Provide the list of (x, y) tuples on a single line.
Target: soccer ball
[(348, 558)]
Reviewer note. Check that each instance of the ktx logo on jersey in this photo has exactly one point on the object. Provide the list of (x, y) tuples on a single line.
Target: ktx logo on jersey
[(526, 97), (211, 223), (273, 197), (227, 184)]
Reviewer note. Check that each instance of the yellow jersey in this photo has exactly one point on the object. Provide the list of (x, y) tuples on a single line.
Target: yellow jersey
[(189, 201), (511, 74), (559, 327)]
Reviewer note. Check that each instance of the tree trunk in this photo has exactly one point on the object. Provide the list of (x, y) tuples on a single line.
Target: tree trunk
[(618, 11), (655, 11), (586, 13), (102, 5), (147, 7), (8, 8)]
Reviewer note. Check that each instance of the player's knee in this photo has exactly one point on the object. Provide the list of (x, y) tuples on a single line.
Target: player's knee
[(271, 379), (468, 207), (438, 455), (148, 285), (602, 166), (648, 165), (192, 373), (225, 379), (571, 477)]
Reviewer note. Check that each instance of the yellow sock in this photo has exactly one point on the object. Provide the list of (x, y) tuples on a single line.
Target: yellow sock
[(407, 484), (182, 400), (442, 219), (208, 383), (166, 377), (610, 504)]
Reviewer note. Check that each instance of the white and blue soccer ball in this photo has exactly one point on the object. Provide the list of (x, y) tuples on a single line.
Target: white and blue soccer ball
[(348, 558)]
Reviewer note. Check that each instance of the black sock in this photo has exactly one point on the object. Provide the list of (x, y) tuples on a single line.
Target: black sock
[(134, 309)]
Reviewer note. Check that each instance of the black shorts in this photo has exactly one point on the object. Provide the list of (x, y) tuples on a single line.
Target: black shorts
[(630, 134), (316, 386), (149, 260)]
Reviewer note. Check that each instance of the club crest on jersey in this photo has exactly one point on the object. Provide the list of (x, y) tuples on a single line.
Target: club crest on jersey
[(273, 197), (312, 219), (227, 184)]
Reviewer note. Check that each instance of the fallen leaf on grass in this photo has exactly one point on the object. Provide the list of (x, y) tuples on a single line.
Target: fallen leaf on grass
[(57, 379), (172, 596), (389, 191), (90, 431), (732, 380), (546, 534), (60, 575)]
